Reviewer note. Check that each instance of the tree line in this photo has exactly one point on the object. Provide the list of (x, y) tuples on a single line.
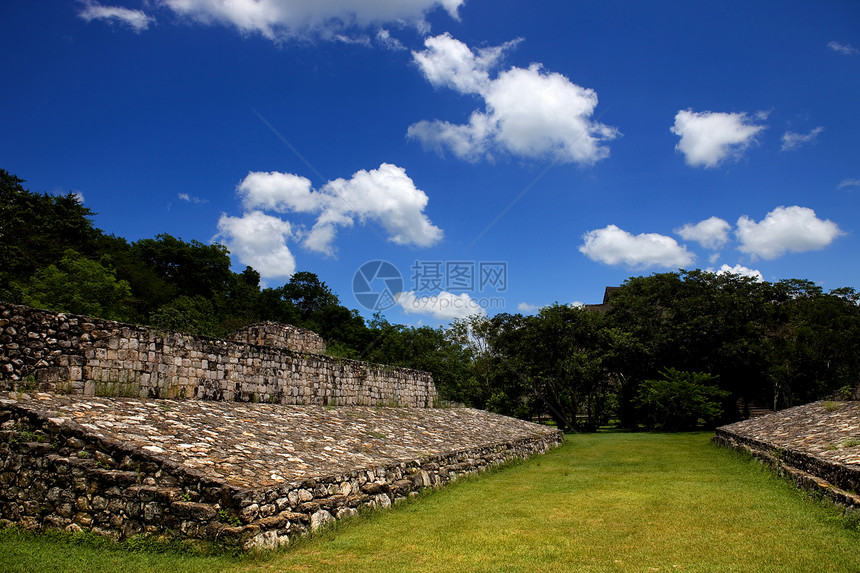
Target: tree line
[(669, 351)]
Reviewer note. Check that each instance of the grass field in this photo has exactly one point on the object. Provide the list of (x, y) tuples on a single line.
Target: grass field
[(602, 502)]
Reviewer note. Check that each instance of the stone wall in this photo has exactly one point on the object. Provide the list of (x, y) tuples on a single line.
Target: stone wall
[(281, 336), (819, 477), (82, 355), (56, 473), (816, 446)]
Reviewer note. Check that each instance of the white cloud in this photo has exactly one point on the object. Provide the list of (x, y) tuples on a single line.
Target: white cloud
[(848, 183), (79, 196), (741, 270), (708, 138), (275, 191), (527, 308), (785, 229), (614, 246), (389, 197), (259, 240), (389, 42), (792, 140), (447, 62), (191, 199), (135, 19), (358, 40), (329, 19), (846, 49), (712, 233), (529, 112), (444, 306), (386, 196)]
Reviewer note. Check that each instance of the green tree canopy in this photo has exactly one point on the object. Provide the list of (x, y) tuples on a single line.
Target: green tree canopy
[(78, 285), (194, 268), (680, 400), (36, 229)]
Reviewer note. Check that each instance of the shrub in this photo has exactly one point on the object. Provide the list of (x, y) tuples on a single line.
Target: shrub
[(679, 401)]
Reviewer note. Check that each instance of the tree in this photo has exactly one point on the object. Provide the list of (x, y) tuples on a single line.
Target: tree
[(193, 268), (343, 329), (505, 369), (149, 290), (694, 321), (36, 230), (556, 361), (680, 400), (814, 343), (310, 296), (78, 285), (473, 335), (194, 315), (272, 306)]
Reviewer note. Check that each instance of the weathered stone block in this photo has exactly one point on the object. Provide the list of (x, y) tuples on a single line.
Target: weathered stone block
[(319, 519), (193, 511)]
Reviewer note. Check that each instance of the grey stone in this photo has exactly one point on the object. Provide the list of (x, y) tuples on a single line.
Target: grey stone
[(319, 519), (194, 511), (381, 501), (265, 540), (152, 512), (250, 513)]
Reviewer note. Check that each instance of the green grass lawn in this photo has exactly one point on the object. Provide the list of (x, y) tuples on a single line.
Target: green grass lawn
[(602, 502)]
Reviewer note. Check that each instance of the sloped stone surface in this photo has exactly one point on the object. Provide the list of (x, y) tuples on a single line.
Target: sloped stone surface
[(817, 445), (239, 473), (258, 445)]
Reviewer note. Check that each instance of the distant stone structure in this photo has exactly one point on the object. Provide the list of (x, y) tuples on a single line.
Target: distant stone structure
[(605, 305), (265, 362), (281, 336)]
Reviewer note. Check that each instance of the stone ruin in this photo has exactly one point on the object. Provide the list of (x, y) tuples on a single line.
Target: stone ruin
[(283, 336), (816, 446), (265, 362), (248, 442)]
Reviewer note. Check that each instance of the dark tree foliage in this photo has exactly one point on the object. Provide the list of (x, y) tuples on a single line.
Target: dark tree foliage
[(774, 344), (696, 321), (189, 314), (309, 294), (192, 268), (37, 229), (552, 363), (767, 344)]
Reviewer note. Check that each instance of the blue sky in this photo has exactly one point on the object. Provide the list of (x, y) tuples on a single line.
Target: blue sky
[(498, 154)]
